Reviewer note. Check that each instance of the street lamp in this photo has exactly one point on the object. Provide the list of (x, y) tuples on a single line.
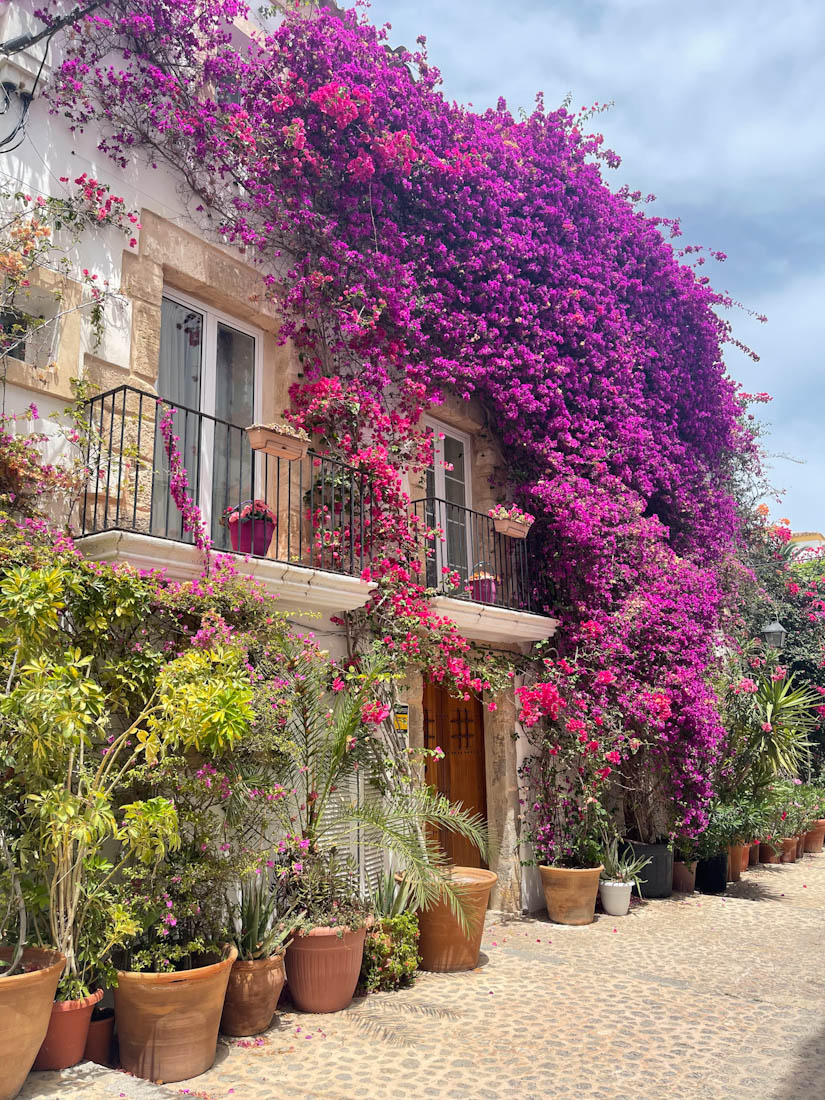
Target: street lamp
[(774, 634)]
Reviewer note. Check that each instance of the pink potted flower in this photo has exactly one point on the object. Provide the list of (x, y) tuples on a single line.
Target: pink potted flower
[(483, 584), (251, 527), (509, 519)]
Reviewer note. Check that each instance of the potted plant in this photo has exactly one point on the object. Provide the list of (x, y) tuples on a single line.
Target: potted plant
[(712, 850), (815, 835), (251, 527), (28, 979), (391, 944), (280, 439), (170, 994), (620, 874), (483, 584), (257, 975), (685, 859), (336, 740), (510, 520)]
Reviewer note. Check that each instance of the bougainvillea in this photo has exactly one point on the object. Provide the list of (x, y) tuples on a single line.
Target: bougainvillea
[(415, 246)]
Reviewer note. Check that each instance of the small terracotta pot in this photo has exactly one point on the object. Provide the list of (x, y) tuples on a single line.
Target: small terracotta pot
[(167, 1024), (684, 877), (252, 994), (26, 1001), (767, 853), (443, 944), (322, 968), (735, 862), (67, 1033), (746, 857), (753, 853), (98, 1047), (570, 893), (815, 837), (788, 850), (800, 846)]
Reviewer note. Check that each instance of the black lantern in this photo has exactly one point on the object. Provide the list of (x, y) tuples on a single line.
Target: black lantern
[(774, 634)]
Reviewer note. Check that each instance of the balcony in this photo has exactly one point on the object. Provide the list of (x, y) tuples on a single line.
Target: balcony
[(313, 549), (493, 599)]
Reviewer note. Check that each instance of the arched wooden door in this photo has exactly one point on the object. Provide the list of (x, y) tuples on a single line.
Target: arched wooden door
[(457, 727)]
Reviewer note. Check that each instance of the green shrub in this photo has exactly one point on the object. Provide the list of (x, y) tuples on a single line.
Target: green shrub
[(390, 954)]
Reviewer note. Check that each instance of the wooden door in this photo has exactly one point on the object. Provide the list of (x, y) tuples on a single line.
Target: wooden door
[(457, 727)]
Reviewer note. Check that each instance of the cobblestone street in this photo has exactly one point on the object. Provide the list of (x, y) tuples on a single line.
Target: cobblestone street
[(711, 997)]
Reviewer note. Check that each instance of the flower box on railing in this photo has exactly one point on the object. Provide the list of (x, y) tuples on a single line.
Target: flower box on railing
[(510, 520), (279, 440)]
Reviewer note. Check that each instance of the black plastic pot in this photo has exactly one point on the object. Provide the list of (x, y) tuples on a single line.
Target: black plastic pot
[(655, 880), (712, 874)]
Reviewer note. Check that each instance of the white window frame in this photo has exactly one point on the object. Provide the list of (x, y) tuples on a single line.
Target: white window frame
[(209, 356), (437, 426)]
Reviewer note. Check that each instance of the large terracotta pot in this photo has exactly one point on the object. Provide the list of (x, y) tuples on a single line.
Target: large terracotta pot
[(800, 846), (753, 853), (767, 853), (735, 862), (167, 1024), (67, 1033), (788, 850), (26, 1001), (815, 837), (252, 994), (684, 877), (443, 945), (98, 1047), (746, 857), (570, 893), (322, 968)]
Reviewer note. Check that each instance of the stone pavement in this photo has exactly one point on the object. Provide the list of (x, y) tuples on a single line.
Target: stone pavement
[(717, 998)]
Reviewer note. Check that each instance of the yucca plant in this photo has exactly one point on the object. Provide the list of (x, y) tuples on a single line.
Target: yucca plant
[(261, 930)]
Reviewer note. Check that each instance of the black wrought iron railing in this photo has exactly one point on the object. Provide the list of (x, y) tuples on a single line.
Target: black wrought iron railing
[(313, 511), (467, 558)]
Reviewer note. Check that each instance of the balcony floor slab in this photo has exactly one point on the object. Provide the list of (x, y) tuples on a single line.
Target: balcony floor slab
[(299, 589), (488, 623)]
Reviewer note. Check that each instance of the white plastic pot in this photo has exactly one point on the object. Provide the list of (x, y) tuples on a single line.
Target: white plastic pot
[(615, 897)]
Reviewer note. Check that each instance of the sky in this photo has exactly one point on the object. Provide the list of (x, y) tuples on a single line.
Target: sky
[(718, 110)]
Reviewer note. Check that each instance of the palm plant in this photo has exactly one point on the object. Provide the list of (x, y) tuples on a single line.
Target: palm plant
[(346, 782), (769, 731)]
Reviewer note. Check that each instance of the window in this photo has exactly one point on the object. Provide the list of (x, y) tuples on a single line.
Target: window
[(209, 369), (448, 501)]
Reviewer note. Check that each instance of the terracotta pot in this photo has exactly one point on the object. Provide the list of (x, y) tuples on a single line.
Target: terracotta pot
[(26, 1001), (767, 853), (753, 853), (735, 862), (684, 877), (800, 846), (252, 994), (570, 894), (67, 1033), (322, 968), (788, 850), (746, 857), (167, 1024), (443, 944), (98, 1047), (513, 528), (276, 442), (815, 837)]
